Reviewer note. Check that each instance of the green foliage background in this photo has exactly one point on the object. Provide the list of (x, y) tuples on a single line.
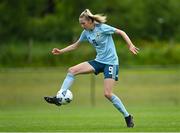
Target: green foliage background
[(58, 19), (30, 29)]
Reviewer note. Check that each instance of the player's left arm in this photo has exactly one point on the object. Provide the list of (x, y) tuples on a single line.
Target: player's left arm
[(131, 46)]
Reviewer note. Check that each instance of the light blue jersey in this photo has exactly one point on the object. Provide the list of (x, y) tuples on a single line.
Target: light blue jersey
[(101, 38)]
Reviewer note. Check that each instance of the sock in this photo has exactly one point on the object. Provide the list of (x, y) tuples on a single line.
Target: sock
[(68, 81), (119, 105)]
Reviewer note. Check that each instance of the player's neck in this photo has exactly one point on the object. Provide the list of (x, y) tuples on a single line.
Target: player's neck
[(92, 27)]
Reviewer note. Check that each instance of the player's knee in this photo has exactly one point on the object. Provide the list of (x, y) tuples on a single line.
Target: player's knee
[(72, 70), (108, 95)]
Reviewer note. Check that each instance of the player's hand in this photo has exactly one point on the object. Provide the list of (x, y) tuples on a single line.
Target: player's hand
[(134, 49), (56, 51)]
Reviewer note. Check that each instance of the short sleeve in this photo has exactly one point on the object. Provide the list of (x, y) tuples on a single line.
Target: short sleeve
[(107, 29), (83, 37)]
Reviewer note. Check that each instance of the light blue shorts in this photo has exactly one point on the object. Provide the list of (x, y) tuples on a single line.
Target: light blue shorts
[(110, 71)]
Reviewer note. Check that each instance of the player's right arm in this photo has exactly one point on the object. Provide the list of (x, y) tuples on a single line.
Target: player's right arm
[(71, 47)]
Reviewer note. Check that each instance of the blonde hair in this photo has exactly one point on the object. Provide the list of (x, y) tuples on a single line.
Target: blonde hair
[(100, 18)]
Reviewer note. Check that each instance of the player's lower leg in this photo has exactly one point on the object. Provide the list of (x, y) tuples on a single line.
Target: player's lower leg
[(121, 108), (81, 68), (68, 81)]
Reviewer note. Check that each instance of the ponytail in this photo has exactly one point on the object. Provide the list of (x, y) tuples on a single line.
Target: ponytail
[(99, 18)]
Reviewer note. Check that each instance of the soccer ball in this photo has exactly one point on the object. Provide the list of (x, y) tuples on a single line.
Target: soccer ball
[(64, 97)]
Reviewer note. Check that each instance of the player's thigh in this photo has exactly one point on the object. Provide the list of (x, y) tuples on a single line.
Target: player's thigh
[(108, 87), (81, 68)]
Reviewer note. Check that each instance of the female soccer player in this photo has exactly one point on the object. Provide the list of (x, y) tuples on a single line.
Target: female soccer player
[(99, 35)]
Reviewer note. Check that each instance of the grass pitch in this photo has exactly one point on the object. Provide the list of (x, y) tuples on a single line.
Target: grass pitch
[(151, 95)]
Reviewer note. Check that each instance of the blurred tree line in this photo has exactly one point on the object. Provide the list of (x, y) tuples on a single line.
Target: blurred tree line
[(57, 20)]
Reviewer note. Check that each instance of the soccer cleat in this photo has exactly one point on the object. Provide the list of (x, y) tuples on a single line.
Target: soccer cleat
[(52, 100), (129, 121)]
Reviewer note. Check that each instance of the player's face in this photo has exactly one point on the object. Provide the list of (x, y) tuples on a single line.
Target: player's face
[(86, 24)]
